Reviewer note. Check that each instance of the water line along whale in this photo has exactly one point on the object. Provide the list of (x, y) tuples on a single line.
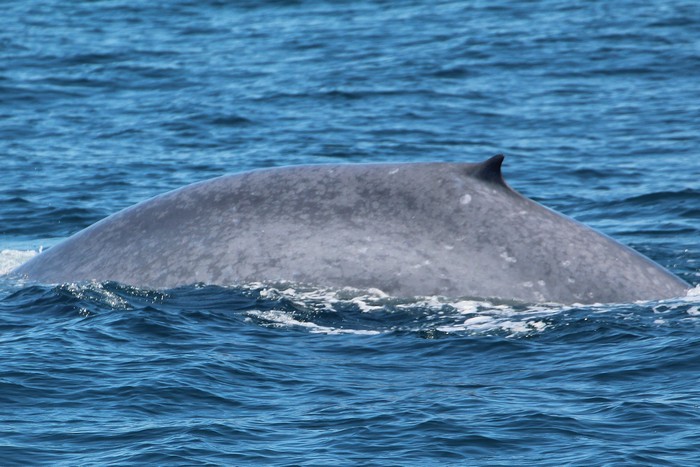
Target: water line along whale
[(451, 229)]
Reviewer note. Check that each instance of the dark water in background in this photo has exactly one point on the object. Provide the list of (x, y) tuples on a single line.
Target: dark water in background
[(106, 103)]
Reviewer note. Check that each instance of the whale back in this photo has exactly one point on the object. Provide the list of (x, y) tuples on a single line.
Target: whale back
[(453, 229)]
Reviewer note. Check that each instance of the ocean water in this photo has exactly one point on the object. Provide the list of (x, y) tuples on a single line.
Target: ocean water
[(107, 103)]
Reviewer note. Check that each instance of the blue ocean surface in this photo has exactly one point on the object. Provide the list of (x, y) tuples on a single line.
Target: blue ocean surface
[(103, 104)]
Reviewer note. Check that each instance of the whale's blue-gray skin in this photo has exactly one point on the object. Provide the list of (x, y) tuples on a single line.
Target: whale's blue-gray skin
[(451, 229)]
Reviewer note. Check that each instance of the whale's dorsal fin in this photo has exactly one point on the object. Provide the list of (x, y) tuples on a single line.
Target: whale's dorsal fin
[(490, 170)]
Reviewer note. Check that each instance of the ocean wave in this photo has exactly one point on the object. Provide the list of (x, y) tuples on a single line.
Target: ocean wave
[(338, 311)]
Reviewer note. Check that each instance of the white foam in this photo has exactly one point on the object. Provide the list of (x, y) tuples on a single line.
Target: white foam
[(95, 291), (321, 298), (466, 306), (435, 312), (487, 317), (10, 259), (285, 319)]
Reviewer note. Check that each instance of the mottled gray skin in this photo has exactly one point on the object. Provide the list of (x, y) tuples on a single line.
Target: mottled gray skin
[(449, 229)]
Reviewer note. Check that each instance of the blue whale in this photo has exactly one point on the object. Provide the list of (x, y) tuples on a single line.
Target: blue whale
[(449, 229)]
